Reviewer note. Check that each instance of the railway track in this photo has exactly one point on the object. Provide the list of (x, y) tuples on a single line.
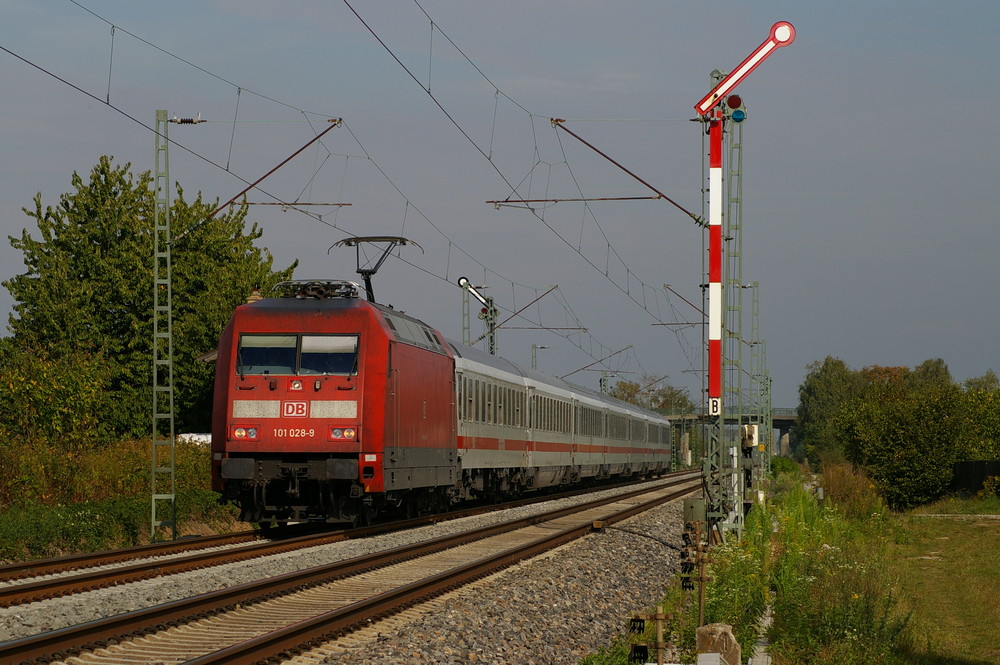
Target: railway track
[(76, 574), (293, 612), (16, 571)]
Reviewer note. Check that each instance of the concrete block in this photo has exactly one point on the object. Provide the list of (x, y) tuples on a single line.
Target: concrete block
[(717, 638)]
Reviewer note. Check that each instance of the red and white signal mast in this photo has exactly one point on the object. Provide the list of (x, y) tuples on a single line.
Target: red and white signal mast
[(709, 108)]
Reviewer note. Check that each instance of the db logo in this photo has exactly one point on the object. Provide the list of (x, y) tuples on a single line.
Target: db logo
[(294, 409)]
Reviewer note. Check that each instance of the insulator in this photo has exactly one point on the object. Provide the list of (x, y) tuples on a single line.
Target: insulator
[(187, 121)]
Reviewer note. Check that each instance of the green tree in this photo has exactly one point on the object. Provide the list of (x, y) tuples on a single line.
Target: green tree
[(980, 438), (988, 381), (826, 388), (930, 372), (906, 438), (53, 399), (647, 395), (88, 288)]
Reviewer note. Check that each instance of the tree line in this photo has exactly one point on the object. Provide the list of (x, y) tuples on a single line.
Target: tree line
[(905, 427)]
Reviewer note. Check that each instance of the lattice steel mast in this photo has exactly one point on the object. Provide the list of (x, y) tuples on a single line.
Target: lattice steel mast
[(163, 511)]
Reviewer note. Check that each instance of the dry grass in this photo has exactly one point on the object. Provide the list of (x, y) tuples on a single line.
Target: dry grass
[(950, 568)]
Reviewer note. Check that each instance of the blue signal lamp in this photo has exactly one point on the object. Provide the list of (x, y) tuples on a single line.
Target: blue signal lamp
[(739, 115)]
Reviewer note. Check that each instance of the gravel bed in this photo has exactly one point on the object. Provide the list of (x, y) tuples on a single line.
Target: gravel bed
[(120, 564), (628, 570), (552, 610)]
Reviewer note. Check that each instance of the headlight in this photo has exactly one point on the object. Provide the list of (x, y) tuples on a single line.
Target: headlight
[(245, 432)]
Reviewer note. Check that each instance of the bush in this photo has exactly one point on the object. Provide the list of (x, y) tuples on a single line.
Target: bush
[(852, 492), (35, 532), (55, 501), (43, 473), (740, 579), (906, 441), (54, 400), (822, 566), (783, 465), (991, 488), (39, 532)]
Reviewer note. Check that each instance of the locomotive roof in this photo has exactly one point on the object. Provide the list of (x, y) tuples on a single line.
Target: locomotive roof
[(300, 303), (326, 295)]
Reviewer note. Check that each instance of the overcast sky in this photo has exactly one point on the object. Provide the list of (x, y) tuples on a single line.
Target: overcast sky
[(869, 159)]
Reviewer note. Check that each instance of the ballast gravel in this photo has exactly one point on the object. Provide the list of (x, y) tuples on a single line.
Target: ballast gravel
[(555, 609), (552, 610)]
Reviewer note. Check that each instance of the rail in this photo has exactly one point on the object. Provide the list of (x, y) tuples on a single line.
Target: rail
[(103, 632)]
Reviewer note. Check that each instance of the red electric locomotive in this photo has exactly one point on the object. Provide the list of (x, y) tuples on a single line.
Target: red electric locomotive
[(327, 405), (332, 408)]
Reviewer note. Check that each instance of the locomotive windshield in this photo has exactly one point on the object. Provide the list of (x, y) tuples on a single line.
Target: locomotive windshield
[(297, 354)]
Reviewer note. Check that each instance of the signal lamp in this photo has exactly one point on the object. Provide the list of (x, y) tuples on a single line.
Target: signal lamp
[(639, 654), (250, 433), (295, 384), (343, 433), (735, 104)]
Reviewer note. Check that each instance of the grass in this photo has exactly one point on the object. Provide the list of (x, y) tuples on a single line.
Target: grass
[(961, 505), (950, 568), (824, 569), (835, 600)]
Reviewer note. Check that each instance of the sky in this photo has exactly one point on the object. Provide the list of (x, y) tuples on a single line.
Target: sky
[(868, 172)]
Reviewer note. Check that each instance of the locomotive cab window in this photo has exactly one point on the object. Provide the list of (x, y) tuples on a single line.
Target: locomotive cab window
[(297, 354), (329, 354), (266, 354)]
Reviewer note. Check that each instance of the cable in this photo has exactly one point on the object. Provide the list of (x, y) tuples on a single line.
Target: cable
[(611, 250), (239, 89)]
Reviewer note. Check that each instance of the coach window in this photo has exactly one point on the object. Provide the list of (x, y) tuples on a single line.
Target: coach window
[(329, 354), (480, 401), (470, 402), (266, 354)]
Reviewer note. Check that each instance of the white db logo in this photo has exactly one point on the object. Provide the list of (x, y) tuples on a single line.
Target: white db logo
[(294, 409)]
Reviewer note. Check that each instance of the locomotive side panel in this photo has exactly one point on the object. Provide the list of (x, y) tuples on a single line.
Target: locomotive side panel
[(220, 405), (420, 447)]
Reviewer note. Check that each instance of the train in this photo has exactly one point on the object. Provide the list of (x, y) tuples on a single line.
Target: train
[(329, 407)]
